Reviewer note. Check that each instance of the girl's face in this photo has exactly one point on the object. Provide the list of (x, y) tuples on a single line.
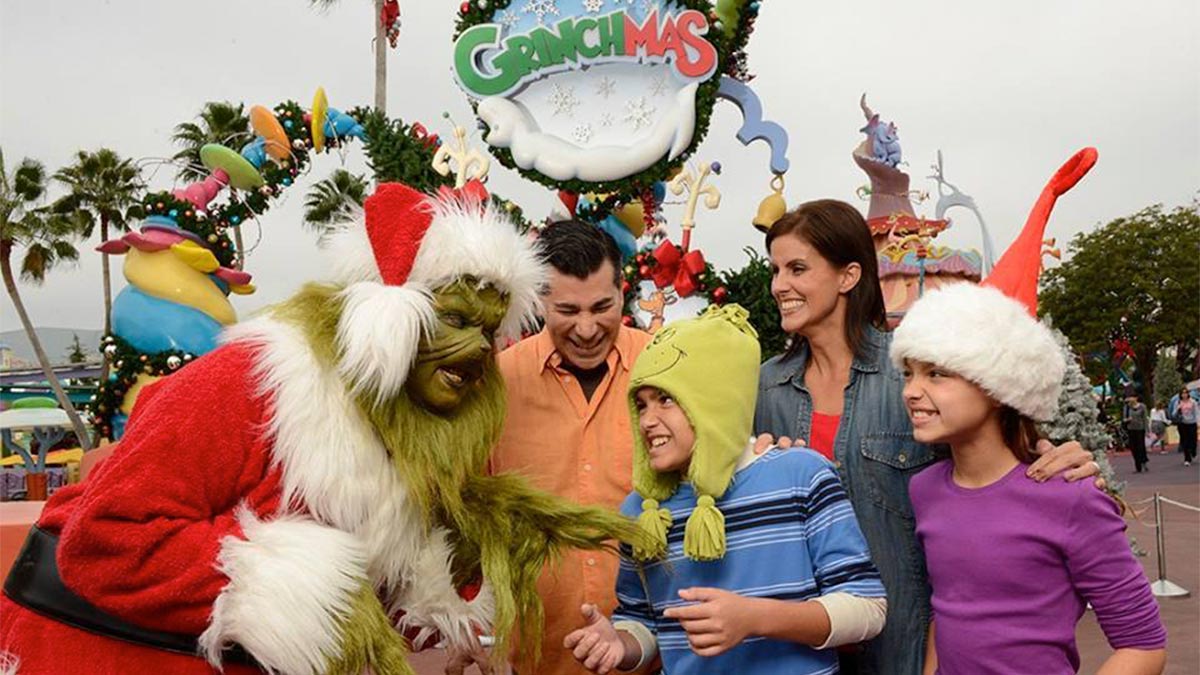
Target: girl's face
[(943, 407), (665, 429), (807, 287)]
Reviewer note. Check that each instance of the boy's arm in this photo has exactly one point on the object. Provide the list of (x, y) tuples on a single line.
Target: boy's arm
[(634, 617), (720, 619)]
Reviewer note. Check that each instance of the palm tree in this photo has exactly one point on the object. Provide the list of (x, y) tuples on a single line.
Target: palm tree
[(333, 200), (381, 47), (47, 239), (219, 122), (105, 189)]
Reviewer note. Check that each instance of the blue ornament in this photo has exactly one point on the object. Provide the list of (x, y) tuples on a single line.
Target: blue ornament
[(173, 213)]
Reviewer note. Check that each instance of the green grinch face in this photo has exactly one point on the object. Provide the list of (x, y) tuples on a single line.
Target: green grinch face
[(450, 364)]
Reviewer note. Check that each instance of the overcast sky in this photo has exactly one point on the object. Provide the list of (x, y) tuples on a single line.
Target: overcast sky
[(1007, 90)]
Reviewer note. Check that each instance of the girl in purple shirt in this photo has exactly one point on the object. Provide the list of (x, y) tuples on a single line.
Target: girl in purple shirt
[(1012, 562)]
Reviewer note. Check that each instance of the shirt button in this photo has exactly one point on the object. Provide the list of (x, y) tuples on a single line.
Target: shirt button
[(591, 562), (837, 464), (587, 467), (902, 457)]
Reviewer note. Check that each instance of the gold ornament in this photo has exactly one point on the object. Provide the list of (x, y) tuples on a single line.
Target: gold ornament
[(772, 207)]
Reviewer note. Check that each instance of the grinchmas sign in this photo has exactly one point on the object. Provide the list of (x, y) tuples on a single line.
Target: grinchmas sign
[(597, 95)]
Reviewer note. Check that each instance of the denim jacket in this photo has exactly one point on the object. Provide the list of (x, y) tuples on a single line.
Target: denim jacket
[(876, 455)]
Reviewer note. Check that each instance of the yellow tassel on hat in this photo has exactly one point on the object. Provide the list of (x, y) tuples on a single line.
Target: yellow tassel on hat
[(704, 534), (655, 522)]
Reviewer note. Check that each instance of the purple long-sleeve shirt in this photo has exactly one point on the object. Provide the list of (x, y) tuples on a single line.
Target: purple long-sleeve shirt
[(1012, 566)]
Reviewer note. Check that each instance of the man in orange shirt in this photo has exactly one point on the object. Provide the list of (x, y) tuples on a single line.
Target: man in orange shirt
[(568, 426)]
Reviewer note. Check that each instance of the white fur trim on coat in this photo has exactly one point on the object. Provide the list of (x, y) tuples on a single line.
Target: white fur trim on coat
[(988, 338), (335, 468), (291, 580)]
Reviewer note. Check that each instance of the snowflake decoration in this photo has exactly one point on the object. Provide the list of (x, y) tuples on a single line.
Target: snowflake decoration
[(509, 19), (606, 87), (606, 120), (563, 100), (638, 113), (593, 6), (582, 133), (541, 8), (659, 86)]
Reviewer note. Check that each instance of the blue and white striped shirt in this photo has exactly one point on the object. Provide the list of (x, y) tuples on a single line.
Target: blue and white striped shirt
[(790, 535)]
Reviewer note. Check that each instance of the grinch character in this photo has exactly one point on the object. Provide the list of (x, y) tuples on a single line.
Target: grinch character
[(312, 496)]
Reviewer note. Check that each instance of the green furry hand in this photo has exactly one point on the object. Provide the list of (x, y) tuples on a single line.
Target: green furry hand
[(369, 640)]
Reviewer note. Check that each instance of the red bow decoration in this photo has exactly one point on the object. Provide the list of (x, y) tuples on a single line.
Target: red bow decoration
[(473, 191), (422, 134), (674, 268)]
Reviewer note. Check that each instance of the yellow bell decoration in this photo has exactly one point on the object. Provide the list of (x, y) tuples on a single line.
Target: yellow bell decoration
[(771, 208)]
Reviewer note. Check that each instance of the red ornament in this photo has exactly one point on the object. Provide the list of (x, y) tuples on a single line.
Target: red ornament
[(627, 320), (464, 8), (625, 287), (644, 271), (719, 294)]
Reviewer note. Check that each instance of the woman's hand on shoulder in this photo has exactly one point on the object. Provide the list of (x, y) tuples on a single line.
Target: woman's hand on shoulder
[(765, 442), (1070, 460)]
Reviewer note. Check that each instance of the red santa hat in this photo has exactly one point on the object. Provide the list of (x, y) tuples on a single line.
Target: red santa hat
[(408, 245), (989, 333)]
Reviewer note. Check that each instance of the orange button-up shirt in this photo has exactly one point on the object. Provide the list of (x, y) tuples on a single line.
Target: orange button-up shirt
[(575, 448)]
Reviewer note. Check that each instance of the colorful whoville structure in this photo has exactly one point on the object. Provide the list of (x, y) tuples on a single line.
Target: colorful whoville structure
[(909, 262), (182, 264)]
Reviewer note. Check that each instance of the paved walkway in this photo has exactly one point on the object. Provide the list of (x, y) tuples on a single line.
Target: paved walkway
[(1181, 528)]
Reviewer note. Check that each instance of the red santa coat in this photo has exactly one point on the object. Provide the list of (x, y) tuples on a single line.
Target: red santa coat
[(247, 503)]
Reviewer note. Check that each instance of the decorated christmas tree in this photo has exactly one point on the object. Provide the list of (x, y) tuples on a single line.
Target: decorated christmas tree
[(1077, 416)]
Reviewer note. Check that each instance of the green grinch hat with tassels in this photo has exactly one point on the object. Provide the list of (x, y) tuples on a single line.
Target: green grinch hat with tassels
[(709, 365)]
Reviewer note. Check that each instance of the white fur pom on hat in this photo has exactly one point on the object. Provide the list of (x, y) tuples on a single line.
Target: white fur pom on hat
[(988, 338)]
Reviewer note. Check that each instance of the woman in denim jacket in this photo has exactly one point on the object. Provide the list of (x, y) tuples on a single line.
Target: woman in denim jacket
[(836, 387)]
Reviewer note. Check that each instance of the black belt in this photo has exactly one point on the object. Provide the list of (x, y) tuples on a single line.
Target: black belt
[(34, 583)]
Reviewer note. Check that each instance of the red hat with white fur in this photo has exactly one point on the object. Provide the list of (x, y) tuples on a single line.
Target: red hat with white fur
[(408, 245), (989, 333)]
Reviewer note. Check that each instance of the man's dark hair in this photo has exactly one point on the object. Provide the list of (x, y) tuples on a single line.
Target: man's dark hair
[(578, 249)]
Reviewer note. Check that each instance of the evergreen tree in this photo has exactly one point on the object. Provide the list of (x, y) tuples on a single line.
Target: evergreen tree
[(1077, 416)]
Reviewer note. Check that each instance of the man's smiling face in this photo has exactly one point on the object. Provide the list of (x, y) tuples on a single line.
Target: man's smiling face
[(583, 316)]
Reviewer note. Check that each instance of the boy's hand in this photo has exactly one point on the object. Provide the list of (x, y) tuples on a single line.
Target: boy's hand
[(718, 622), (597, 645)]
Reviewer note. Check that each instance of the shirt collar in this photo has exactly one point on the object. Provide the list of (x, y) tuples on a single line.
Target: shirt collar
[(620, 355)]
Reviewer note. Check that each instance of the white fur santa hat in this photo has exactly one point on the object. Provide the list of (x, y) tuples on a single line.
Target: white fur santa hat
[(408, 245), (989, 333)]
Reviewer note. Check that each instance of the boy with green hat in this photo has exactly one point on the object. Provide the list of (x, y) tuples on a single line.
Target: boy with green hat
[(758, 563)]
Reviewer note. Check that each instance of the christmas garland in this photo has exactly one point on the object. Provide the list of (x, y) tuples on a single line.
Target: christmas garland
[(730, 46), (127, 364), (212, 231)]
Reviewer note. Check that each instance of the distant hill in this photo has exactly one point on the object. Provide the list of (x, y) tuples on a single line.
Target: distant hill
[(56, 341)]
